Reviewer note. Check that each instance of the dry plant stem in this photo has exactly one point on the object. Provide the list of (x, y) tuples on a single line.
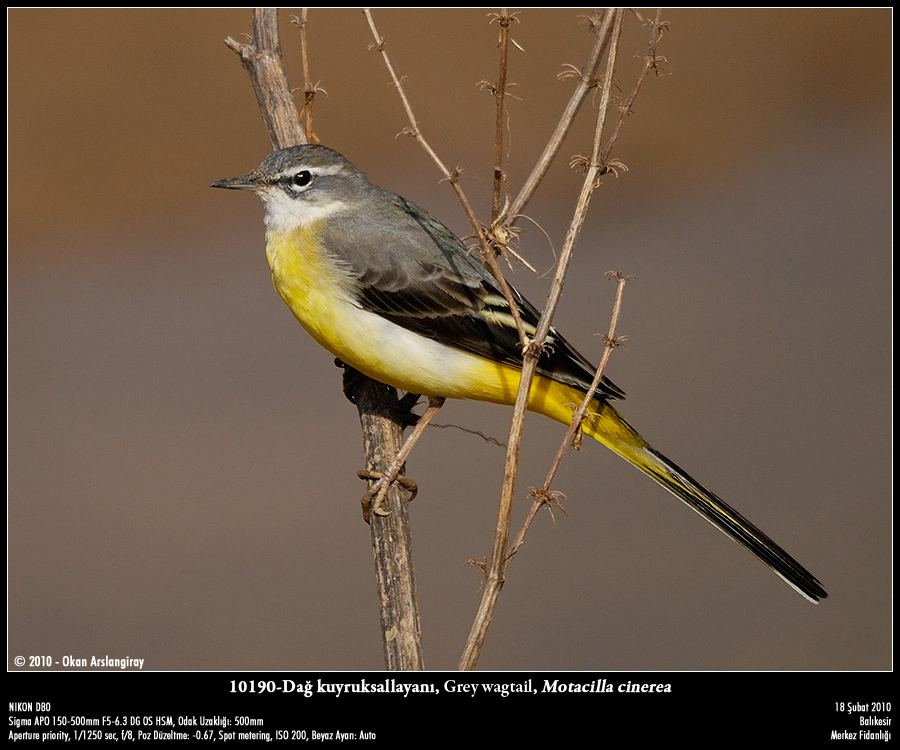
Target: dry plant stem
[(510, 469), (497, 570), (309, 92), (611, 343), (391, 541), (598, 161), (504, 19), (261, 59), (585, 84), (499, 558), (542, 494), (651, 63), (452, 177), (382, 434), (590, 183)]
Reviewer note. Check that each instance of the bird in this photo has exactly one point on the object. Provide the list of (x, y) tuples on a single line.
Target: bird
[(392, 292)]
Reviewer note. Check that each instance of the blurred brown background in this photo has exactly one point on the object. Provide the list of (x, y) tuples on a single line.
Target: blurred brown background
[(181, 458)]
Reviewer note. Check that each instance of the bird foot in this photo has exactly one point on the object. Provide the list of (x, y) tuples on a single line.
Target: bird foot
[(373, 500)]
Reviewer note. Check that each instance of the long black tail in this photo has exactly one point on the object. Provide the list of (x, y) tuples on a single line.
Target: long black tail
[(608, 426)]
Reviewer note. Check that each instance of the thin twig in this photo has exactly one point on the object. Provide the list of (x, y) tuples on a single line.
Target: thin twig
[(543, 495), (309, 90), (651, 63), (588, 186), (499, 559), (504, 19), (585, 83), (452, 176), (608, 34)]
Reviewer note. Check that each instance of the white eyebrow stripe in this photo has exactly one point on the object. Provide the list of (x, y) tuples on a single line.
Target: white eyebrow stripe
[(321, 171)]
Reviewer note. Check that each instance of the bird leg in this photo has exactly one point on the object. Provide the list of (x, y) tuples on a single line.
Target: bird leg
[(374, 498)]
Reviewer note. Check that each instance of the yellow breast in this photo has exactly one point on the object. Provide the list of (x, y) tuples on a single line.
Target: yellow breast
[(312, 285)]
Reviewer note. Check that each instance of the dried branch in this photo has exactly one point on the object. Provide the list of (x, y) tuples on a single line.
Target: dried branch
[(651, 64), (499, 558), (378, 404), (504, 19), (261, 59), (544, 496), (603, 29), (599, 164), (531, 349), (382, 424), (309, 89), (488, 256)]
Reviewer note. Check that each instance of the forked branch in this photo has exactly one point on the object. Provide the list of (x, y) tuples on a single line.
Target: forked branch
[(261, 59), (500, 557), (452, 176)]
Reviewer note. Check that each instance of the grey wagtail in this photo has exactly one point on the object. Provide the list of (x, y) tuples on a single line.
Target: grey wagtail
[(389, 290)]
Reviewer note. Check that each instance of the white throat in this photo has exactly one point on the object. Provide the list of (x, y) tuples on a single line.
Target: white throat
[(284, 213)]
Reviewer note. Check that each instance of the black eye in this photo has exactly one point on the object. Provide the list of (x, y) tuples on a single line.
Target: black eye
[(302, 179)]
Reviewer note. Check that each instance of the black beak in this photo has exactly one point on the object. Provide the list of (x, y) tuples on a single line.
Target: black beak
[(247, 182)]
